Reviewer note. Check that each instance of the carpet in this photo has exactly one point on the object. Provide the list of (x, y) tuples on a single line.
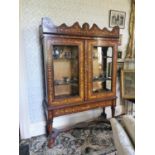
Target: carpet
[(92, 138), (24, 149)]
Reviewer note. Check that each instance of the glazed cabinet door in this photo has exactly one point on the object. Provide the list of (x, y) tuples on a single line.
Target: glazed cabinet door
[(65, 59), (102, 56)]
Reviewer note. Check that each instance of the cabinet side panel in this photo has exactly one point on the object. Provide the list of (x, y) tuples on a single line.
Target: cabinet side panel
[(44, 54)]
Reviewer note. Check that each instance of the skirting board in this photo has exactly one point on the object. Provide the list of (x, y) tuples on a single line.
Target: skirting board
[(39, 128)]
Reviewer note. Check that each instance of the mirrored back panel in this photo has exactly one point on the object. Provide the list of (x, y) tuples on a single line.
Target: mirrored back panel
[(102, 69)]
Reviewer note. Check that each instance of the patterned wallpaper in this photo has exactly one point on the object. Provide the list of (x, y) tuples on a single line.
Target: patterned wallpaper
[(68, 11)]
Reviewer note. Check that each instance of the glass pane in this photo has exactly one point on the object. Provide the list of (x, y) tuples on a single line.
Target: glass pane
[(66, 69), (102, 69), (129, 83)]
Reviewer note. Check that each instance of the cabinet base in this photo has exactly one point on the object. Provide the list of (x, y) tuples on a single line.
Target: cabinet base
[(53, 133), (81, 125)]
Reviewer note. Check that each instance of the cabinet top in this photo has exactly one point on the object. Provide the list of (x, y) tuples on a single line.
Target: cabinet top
[(48, 27)]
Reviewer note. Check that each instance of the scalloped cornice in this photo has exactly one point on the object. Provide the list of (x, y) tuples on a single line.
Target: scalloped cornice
[(48, 27)]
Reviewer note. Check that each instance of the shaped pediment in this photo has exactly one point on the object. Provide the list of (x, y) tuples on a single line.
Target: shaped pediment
[(48, 27)]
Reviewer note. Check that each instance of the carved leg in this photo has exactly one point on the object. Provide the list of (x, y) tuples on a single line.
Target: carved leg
[(103, 114), (113, 110), (49, 129)]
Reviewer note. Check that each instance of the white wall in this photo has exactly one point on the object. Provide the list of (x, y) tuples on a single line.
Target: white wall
[(61, 11)]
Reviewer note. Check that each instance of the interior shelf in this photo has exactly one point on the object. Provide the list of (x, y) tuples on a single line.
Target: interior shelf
[(103, 57), (61, 82), (64, 59), (102, 79), (101, 90)]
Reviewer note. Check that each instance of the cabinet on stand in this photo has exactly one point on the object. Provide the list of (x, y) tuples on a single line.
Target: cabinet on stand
[(80, 65)]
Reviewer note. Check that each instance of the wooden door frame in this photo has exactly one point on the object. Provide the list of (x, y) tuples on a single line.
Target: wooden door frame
[(90, 70), (64, 41)]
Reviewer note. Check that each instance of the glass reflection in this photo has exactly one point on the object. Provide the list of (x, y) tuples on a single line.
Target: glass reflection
[(102, 69), (66, 71)]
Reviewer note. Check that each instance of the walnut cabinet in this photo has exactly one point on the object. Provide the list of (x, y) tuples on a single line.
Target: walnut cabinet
[(79, 65)]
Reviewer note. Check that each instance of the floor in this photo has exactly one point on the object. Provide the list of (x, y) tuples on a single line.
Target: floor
[(87, 138)]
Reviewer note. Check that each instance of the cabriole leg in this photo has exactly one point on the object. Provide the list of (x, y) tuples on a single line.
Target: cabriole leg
[(49, 129), (103, 114), (113, 110)]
